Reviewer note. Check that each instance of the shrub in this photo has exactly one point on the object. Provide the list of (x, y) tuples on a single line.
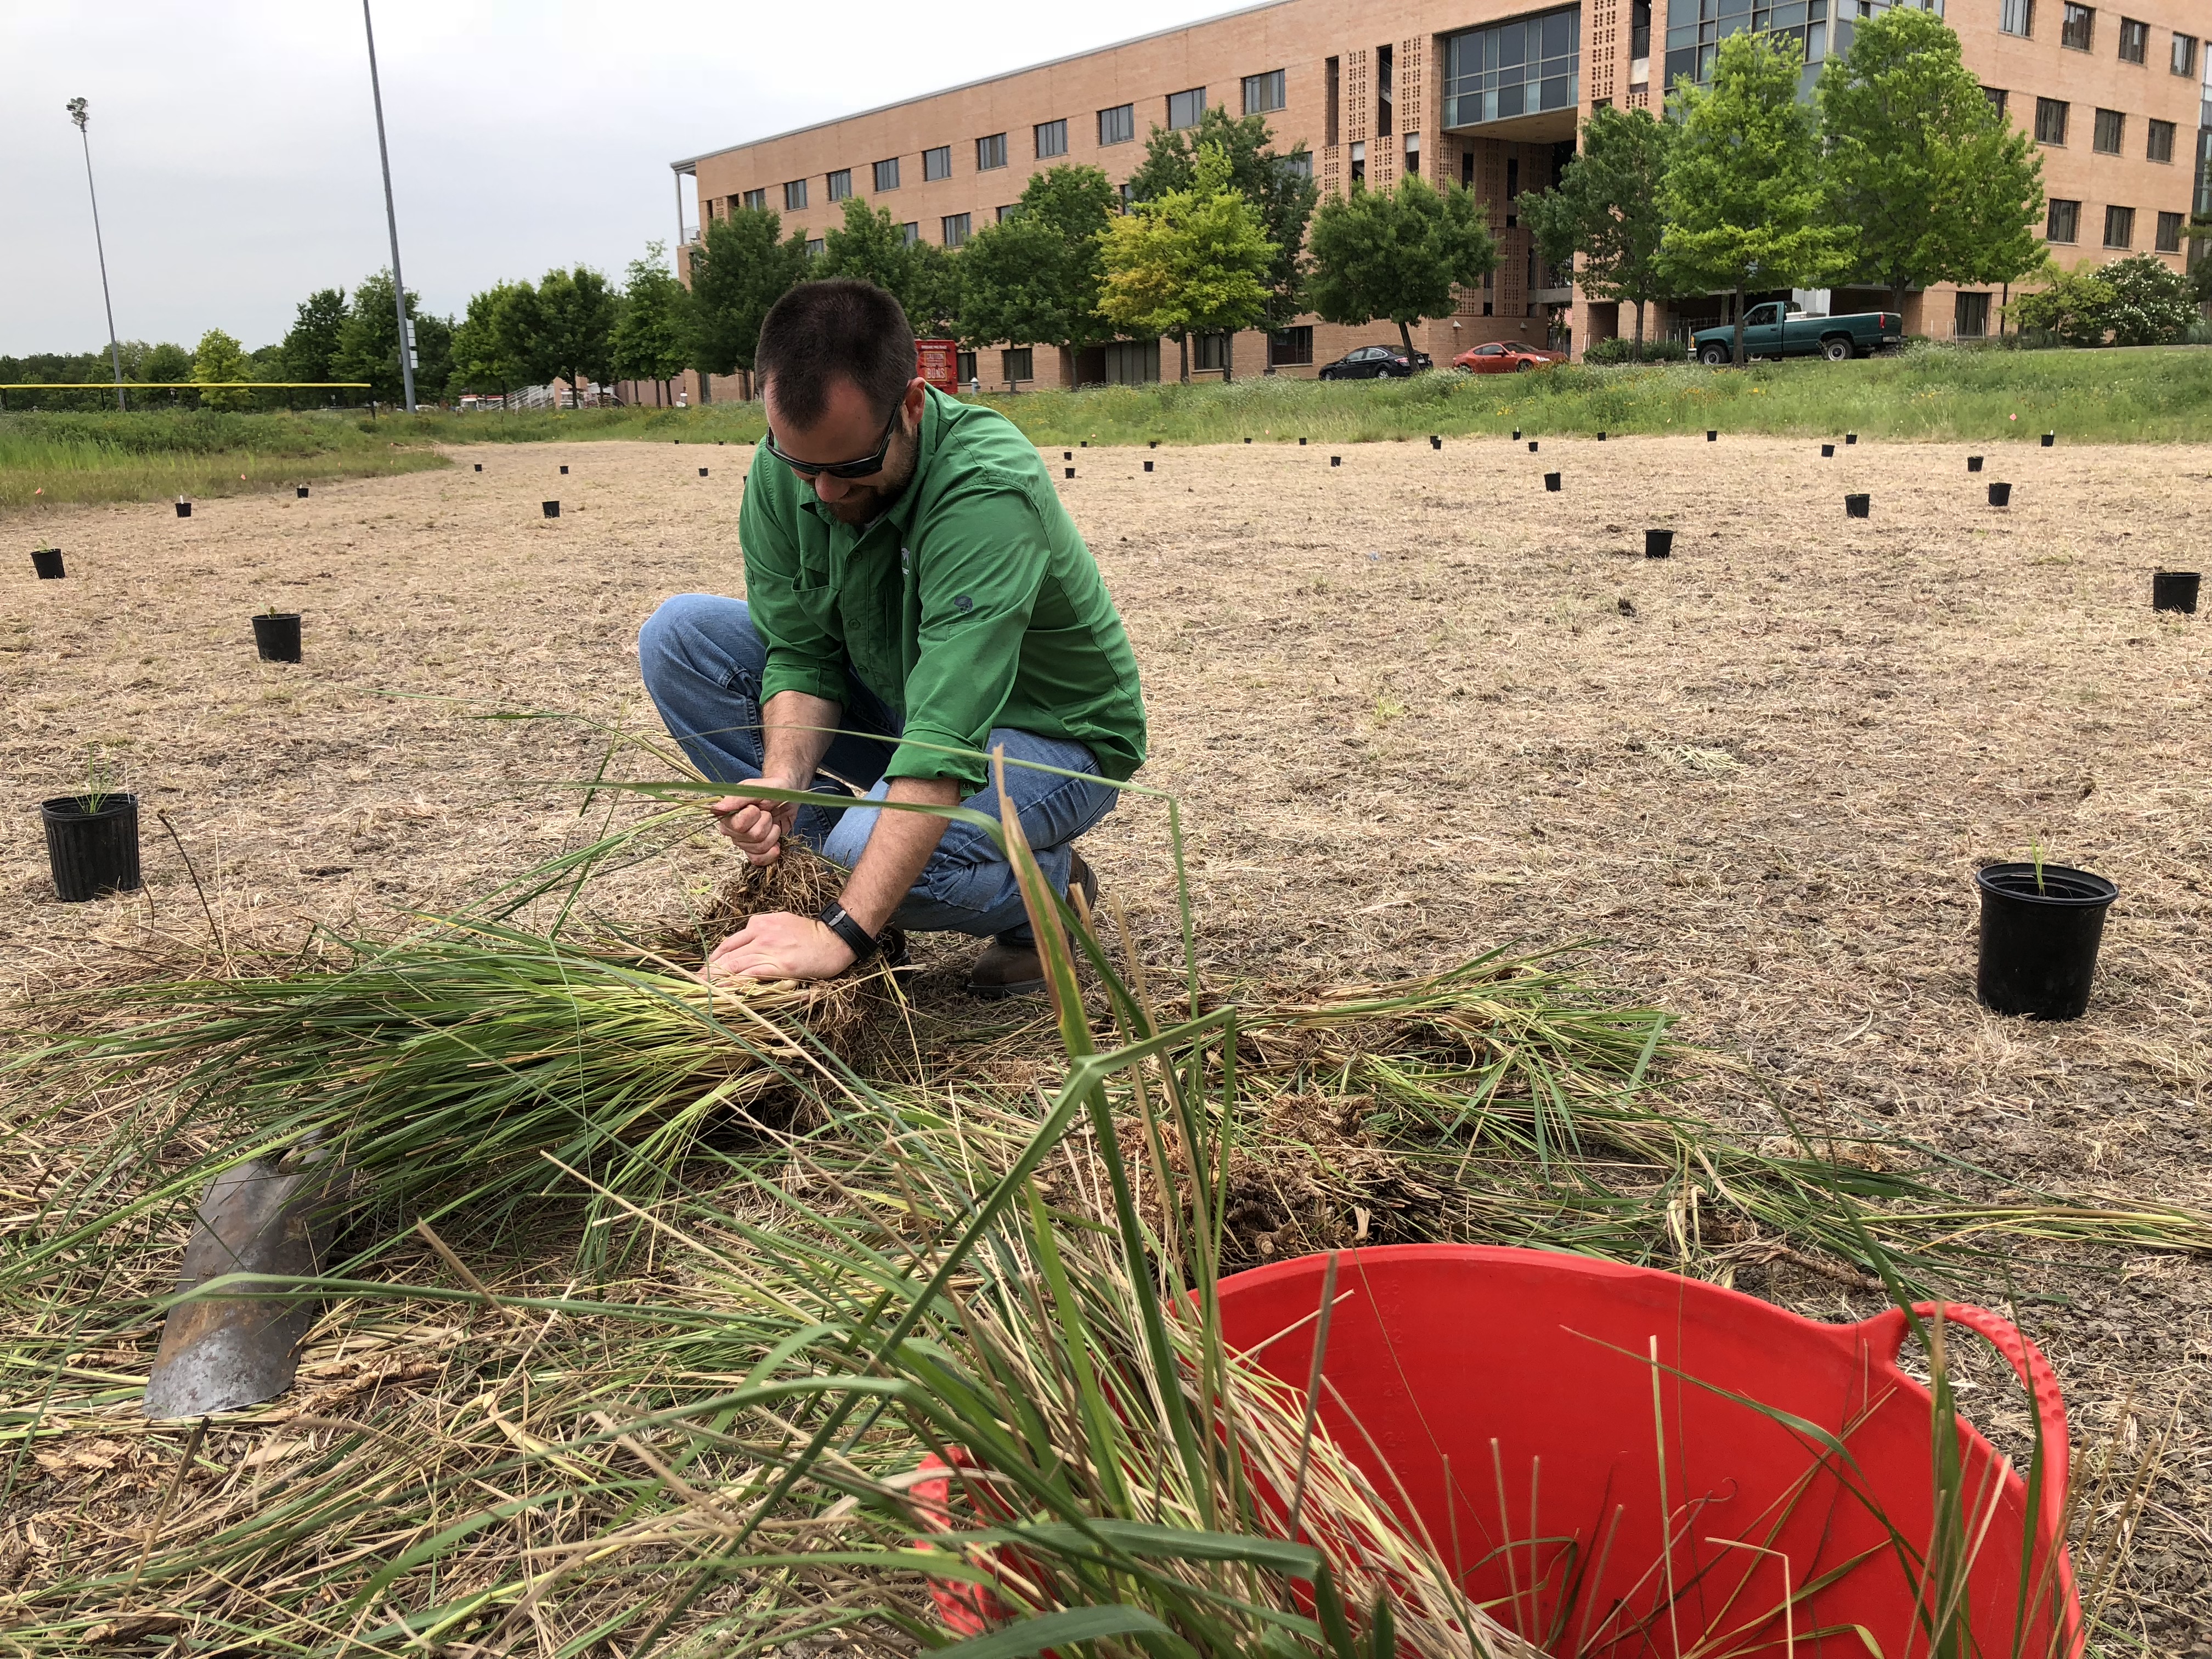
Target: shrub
[(1620, 348), (2138, 300)]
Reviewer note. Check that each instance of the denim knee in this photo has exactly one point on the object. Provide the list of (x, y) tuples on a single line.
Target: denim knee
[(697, 632)]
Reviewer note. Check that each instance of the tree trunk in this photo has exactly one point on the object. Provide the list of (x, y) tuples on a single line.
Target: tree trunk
[(1736, 348), (1897, 299), (1182, 355), (1406, 336), (1639, 330), (2004, 304)]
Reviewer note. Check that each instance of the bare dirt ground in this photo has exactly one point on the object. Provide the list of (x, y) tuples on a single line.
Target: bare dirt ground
[(1413, 705)]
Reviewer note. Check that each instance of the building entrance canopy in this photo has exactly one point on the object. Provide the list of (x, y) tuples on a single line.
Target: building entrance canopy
[(1519, 80)]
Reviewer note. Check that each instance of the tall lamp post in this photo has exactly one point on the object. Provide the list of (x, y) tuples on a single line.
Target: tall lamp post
[(78, 114), (392, 220)]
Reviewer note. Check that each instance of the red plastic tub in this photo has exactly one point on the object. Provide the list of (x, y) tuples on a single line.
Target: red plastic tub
[(1507, 1397)]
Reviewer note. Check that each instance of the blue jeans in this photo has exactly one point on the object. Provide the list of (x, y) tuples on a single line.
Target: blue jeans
[(702, 661)]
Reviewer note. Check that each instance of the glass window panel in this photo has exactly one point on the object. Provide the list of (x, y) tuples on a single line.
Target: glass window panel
[(887, 175), (1051, 139), (936, 163)]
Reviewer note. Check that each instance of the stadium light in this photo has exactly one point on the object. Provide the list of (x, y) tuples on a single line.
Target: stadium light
[(79, 114), (392, 220)]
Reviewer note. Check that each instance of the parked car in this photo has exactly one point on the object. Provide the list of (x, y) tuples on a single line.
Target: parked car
[(1504, 357), (1376, 363), (1773, 329)]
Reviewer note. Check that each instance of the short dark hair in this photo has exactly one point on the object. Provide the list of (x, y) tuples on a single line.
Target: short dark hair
[(842, 328)]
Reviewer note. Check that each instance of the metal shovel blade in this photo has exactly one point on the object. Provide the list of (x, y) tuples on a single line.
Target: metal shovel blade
[(225, 1353)]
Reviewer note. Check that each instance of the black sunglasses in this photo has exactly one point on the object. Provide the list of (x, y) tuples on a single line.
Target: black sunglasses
[(867, 466)]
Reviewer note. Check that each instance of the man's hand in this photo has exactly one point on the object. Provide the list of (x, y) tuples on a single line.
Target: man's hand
[(756, 827), (779, 946)]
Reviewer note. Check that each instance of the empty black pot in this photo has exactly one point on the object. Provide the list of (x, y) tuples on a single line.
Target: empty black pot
[(564, 469), (184, 509), (1600, 437), (1248, 440), (2170, 590), (92, 850), (1850, 438), (1658, 543), (1333, 460), (1083, 443), (1712, 436), (47, 561), (1532, 446), (303, 492), (1066, 454), (276, 635), (1552, 482), (479, 466), (702, 471), (1148, 467), (1152, 444), (552, 509), (2049, 439), (1974, 464), (1069, 471), (2000, 494), (1827, 452), (1302, 443), (2039, 939), (1858, 506)]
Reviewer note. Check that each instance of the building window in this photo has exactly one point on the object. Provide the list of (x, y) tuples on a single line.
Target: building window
[(1639, 29), (1521, 68), (2184, 61), (1359, 163), (1210, 352), (794, 195), (1970, 315), (887, 175), (936, 163), (2017, 17), (910, 233), (1263, 92), (1412, 152), (1117, 125), (841, 184), (2160, 145), (964, 368), (2078, 28), (1185, 107), (1128, 193), (757, 198), (1051, 139), (2169, 232), (991, 152), (1290, 348), (1331, 90), (1299, 164), (2120, 227), (1017, 365), (2064, 222), (1007, 211), (2111, 128), (1386, 96), (814, 246), (1997, 97), (2135, 41), (956, 229), (2050, 121)]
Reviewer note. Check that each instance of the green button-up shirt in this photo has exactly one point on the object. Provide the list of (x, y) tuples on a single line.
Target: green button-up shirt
[(972, 604)]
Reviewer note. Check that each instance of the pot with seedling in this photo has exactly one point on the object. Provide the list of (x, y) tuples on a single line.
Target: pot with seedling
[(2041, 927), (91, 839), (276, 635)]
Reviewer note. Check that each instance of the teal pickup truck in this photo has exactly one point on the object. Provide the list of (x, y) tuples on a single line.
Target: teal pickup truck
[(1773, 329)]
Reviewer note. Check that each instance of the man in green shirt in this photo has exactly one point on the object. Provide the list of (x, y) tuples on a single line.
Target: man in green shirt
[(916, 596)]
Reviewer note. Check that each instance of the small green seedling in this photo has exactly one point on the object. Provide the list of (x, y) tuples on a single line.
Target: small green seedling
[(101, 778)]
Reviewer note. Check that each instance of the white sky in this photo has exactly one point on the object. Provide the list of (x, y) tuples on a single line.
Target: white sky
[(235, 145)]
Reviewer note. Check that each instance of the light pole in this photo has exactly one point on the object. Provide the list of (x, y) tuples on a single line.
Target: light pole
[(392, 220), (78, 114)]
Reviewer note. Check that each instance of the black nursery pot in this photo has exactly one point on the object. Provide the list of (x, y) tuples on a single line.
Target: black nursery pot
[(303, 492), (564, 469), (1435, 442), (47, 561), (276, 635), (1600, 437), (1516, 432), (1850, 437), (1974, 464), (1066, 454), (2039, 944), (479, 466), (2000, 494), (1711, 435), (92, 852), (1552, 482), (552, 509), (1827, 452), (184, 509), (702, 471), (2170, 590), (1333, 460), (1069, 470), (1152, 444), (1148, 467), (1532, 446), (1658, 543), (2049, 439), (1302, 443), (1858, 506)]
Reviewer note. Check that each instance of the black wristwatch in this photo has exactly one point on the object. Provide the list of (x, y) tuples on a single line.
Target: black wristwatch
[(858, 940)]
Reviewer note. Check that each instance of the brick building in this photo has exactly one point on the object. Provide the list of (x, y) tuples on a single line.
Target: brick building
[(1490, 95)]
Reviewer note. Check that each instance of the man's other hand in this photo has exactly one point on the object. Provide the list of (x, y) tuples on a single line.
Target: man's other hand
[(755, 828), (779, 946)]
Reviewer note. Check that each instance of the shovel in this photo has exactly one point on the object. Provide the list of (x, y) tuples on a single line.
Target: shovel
[(224, 1352)]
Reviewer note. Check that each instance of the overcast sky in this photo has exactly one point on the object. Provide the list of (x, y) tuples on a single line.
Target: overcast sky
[(234, 146)]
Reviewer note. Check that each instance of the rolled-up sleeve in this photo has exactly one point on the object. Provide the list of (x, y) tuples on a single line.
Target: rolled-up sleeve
[(984, 561), (804, 652)]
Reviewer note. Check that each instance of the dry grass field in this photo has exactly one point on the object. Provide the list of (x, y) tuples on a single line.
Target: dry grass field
[(1413, 705)]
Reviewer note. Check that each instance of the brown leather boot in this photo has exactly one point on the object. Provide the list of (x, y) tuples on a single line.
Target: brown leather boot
[(1011, 966)]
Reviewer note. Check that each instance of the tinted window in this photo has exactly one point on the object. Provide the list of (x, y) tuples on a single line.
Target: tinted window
[(887, 175), (1051, 140), (936, 163), (1117, 125)]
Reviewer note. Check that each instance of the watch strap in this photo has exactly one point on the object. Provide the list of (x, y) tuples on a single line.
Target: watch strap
[(858, 940)]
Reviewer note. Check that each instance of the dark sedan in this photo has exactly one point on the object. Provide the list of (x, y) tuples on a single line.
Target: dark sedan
[(1376, 363)]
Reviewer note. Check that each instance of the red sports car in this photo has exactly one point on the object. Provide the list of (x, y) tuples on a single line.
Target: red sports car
[(1504, 357)]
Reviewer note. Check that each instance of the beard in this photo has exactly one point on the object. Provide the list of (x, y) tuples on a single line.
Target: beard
[(865, 503)]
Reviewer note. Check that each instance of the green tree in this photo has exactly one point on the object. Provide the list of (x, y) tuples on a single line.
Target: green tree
[(931, 296), (738, 269), (652, 337), (164, 364), (482, 357), (368, 341), (311, 344), (1398, 253), (871, 246), (1606, 210), (571, 327), (1191, 261), (1745, 200), (1035, 277), (1939, 185), (1280, 187), (218, 358)]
